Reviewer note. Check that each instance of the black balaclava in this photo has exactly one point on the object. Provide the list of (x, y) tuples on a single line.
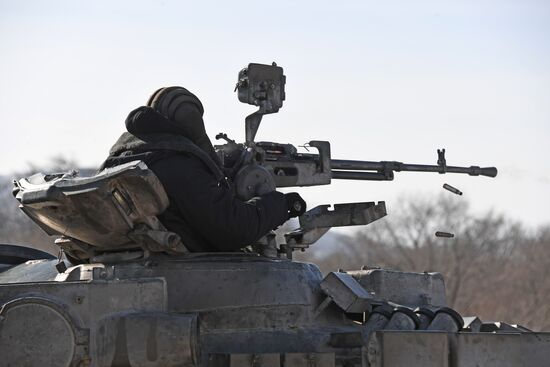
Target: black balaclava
[(184, 110)]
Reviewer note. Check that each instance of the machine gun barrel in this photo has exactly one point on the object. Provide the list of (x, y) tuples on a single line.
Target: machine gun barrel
[(383, 171)]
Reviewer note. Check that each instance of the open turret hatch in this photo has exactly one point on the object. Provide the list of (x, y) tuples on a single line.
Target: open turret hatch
[(114, 210)]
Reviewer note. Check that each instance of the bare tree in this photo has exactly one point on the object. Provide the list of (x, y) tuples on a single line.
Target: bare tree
[(492, 267), (15, 226)]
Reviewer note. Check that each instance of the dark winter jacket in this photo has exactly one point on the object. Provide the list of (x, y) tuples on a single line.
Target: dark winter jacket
[(203, 209)]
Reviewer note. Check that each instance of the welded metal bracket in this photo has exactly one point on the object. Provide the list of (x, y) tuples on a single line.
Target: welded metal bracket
[(316, 222)]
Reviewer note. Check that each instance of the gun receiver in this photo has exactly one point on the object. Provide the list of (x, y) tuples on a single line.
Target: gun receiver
[(290, 168)]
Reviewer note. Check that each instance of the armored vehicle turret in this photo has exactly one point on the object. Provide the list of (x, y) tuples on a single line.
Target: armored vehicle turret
[(125, 291)]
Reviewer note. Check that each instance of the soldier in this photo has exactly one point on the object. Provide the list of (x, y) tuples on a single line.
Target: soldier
[(168, 134)]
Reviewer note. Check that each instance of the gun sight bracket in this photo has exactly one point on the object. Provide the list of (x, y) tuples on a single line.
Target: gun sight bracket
[(263, 86)]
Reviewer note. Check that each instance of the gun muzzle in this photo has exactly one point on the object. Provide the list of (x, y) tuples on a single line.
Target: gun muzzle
[(486, 171)]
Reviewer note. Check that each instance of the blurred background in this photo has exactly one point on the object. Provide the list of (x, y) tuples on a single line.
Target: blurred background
[(391, 80)]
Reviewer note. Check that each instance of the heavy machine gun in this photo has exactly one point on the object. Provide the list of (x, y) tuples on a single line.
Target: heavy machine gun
[(255, 168), (264, 86)]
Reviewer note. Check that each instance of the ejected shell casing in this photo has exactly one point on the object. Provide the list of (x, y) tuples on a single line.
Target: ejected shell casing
[(444, 234), (454, 190)]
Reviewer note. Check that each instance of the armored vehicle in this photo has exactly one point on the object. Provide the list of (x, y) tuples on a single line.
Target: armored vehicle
[(126, 292)]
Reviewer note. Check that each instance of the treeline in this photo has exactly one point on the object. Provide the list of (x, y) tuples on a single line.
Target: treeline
[(15, 227), (493, 267)]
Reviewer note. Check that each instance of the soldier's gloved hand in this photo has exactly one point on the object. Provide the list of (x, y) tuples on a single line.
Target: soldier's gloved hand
[(296, 205)]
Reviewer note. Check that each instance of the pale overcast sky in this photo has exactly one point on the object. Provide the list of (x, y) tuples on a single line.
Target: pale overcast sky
[(382, 80)]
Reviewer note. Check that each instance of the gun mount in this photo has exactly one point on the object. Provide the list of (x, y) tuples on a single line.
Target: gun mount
[(317, 221)]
